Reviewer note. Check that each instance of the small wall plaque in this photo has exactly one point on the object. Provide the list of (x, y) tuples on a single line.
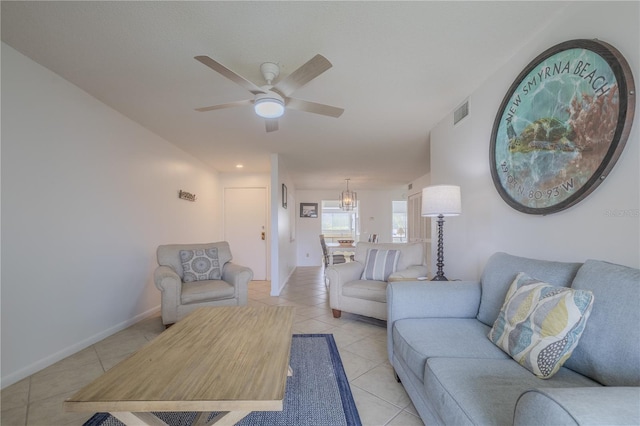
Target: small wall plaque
[(186, 195)]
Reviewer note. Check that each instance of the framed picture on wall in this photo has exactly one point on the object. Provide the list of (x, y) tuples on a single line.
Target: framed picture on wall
[(308, 209), (562, 126)]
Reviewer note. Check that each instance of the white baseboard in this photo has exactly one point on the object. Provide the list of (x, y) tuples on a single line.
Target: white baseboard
[(15, 377), (286, 281)]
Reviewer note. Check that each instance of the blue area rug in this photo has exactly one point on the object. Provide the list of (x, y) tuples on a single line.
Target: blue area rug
[(317, 394)]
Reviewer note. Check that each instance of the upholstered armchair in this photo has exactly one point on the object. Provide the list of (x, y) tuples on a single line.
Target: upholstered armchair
[(360, 287), (191, 276)]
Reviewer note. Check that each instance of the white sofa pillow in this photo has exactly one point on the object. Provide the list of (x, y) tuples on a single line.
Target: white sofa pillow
[(380, 264)]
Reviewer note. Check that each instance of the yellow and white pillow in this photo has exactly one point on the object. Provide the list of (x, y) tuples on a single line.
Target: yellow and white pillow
[(539, 324)]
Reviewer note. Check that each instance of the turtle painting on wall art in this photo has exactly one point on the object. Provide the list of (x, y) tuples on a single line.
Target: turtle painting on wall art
[(561, 126)]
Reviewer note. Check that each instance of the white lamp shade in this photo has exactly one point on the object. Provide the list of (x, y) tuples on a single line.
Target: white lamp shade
[(441, 200), (268, 107)]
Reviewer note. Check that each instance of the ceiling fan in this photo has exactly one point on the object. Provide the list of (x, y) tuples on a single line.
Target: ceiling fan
[(270, 100)]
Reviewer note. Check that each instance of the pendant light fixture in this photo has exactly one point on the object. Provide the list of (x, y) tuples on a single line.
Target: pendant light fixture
[(348, 199)]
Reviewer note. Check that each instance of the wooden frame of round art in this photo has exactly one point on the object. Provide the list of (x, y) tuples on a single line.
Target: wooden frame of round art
[(562, 126)]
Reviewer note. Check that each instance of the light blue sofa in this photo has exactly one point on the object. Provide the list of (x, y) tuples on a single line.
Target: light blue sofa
[(454, 375)]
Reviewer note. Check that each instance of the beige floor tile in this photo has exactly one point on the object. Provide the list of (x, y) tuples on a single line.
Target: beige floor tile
[(370, 348), (329, 319), (344, 338), (14, 416), (358, 326), (311, 326), (255, 303), (73, 362), (122, 343), (109, 362), (355, 365), (312, 301), (373, 410), (271, 300), (379, 333), (411, 409), (405, 419), (150, 327), (50, 411), (44, 386), (381, 382), (16, 395), (311, 311)]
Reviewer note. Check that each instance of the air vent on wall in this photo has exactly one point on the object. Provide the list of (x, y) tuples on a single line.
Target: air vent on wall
[(461, 113), (410, 186)]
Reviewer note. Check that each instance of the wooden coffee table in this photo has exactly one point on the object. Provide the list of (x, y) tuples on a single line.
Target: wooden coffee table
[(229, 359)]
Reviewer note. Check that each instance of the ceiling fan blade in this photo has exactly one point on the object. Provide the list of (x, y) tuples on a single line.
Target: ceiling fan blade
[(271, 124), (236, 78), (315, 108), (307, 72), (222, 106)]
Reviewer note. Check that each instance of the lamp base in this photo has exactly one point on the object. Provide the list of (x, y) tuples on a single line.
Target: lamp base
[(439, 278)]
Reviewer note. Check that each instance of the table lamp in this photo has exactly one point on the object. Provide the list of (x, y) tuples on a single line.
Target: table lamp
[(441, 201)]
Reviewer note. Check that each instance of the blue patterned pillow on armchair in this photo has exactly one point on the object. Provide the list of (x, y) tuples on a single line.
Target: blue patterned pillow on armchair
[(200, 264)]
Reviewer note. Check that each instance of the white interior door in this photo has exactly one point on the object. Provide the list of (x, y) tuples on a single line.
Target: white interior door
[(245, 220)]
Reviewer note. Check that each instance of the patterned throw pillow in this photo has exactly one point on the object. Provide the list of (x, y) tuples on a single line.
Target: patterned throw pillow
[(200, 264), (380, 264), (539, 325)]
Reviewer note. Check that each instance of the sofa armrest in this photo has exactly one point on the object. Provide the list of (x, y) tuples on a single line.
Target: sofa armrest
[(166, 279), (239, 277), (432, 299), (170, 285), (337, 276), (579, 406), (413, 271)]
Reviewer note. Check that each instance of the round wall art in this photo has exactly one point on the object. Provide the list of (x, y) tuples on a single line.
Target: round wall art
[(562, 126)]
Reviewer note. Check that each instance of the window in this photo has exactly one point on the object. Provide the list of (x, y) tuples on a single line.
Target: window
[(337, 223), (399, 218)]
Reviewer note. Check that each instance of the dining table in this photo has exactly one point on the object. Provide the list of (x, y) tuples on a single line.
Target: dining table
[(346, 249)]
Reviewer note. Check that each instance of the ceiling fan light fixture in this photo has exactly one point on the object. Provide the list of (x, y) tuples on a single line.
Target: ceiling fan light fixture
[(269, 105)]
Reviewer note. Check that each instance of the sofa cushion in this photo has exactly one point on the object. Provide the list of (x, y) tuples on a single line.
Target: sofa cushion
[(201, 291), (539, 325), (607, 405), (200, 264), (380, 264), (416, 340), (609, 350), (485, 391), (501, 270), (366, 289)]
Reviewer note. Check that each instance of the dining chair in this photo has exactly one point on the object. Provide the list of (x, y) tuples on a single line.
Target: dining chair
[(337, 258)]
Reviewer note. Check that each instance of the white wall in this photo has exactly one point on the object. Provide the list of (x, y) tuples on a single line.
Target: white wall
[(87, 196), (283, 240), (419, 183), (375, 218), (460, 156)]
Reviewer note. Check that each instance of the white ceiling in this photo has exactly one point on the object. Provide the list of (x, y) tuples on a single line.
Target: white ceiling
[(398, 69)]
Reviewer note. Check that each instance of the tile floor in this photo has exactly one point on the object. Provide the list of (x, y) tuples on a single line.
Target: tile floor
[(37, 400)]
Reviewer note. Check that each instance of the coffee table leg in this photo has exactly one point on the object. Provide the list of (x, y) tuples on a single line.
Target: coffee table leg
[(138, 419), (227, 418)]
